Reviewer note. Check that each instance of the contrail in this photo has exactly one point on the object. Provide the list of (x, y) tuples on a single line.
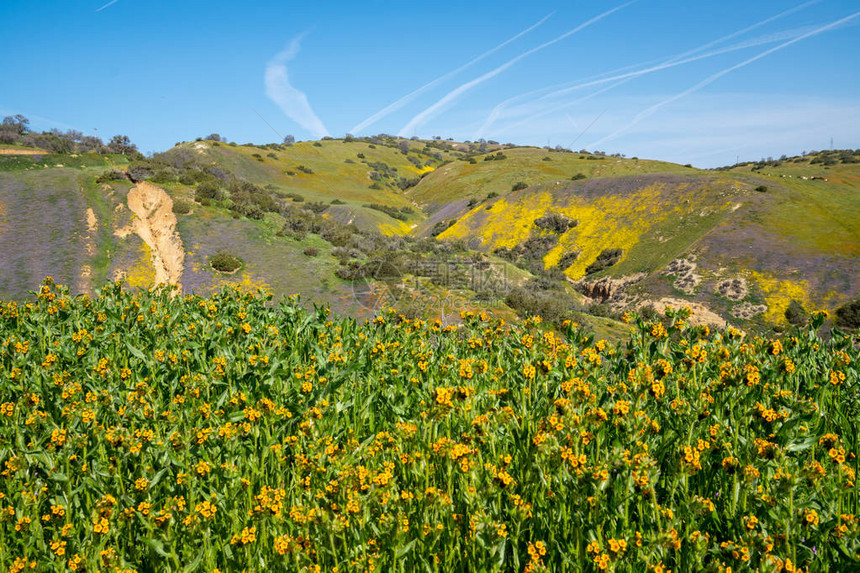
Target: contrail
[(411, 96), (586, 129), (496, 112), (678, 59), (624, 78), (449, 98), (293, 103), (111, 3), (710, 79)]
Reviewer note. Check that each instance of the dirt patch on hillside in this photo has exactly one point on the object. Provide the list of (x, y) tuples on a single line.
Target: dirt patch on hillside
[(700, 315), (608, 290), (685, 270), (733, 289), (748, 310), (155, 223), (22, 152)]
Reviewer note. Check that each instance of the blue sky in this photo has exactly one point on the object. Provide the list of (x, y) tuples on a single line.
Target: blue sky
[(693, 82)]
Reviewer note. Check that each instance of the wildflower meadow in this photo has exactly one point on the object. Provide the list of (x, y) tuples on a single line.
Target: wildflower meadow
[(149, 431)]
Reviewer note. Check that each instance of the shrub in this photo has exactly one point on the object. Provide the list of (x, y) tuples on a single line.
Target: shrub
[(110, 175), (399, 214), (567, 259), (305, 169), (795, 314), (317, 144), (536, 299), (225, 262), (311, 252), (140, 170), (555, 223), (208, 190), (761, 188), (519, 185), (605, 259), (441, 226), (848, 315), (578, 176), (181, 207), (316, 206), (338, 202)]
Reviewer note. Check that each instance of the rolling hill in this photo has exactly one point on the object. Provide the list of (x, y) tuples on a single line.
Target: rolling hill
[(439, 226)]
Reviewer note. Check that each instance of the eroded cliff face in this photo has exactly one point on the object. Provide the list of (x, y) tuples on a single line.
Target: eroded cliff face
[(155, 224)]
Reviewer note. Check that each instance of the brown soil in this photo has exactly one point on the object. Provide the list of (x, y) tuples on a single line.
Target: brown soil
[(22, 152), (155, 224), (701, 315)]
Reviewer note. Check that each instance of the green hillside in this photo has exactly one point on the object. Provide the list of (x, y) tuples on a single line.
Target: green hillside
[(439, 227)]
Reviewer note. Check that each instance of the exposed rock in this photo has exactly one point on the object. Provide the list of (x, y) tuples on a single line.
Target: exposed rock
[(701, 315), (684, 269), (748, 310), (608, 289), (155, 224), (733, 289)]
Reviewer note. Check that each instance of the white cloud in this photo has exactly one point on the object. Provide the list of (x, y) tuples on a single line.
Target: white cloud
[(293, 102)]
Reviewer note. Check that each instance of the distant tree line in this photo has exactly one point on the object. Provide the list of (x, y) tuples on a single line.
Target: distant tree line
[(15, 130)]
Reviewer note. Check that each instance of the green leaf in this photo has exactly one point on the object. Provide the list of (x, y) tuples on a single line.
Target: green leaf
[(401, 551), (158, 546), (135, 351)]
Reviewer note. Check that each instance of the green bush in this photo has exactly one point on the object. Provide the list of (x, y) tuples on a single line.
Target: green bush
[(110, 175), (181, 207), (578, 177), (209, 189), (555, 223), (311, 252), (848, 315), (605, 259), (519, 185), (225, 262), (795, 314)]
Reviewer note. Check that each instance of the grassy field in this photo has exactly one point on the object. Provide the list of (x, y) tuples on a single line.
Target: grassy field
[(796, 238), (145, 432), (530, 165)]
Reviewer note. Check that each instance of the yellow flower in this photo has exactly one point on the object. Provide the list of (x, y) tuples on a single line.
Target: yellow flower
[(101, 525), (58, 547), (206, 509), (529, 371)]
